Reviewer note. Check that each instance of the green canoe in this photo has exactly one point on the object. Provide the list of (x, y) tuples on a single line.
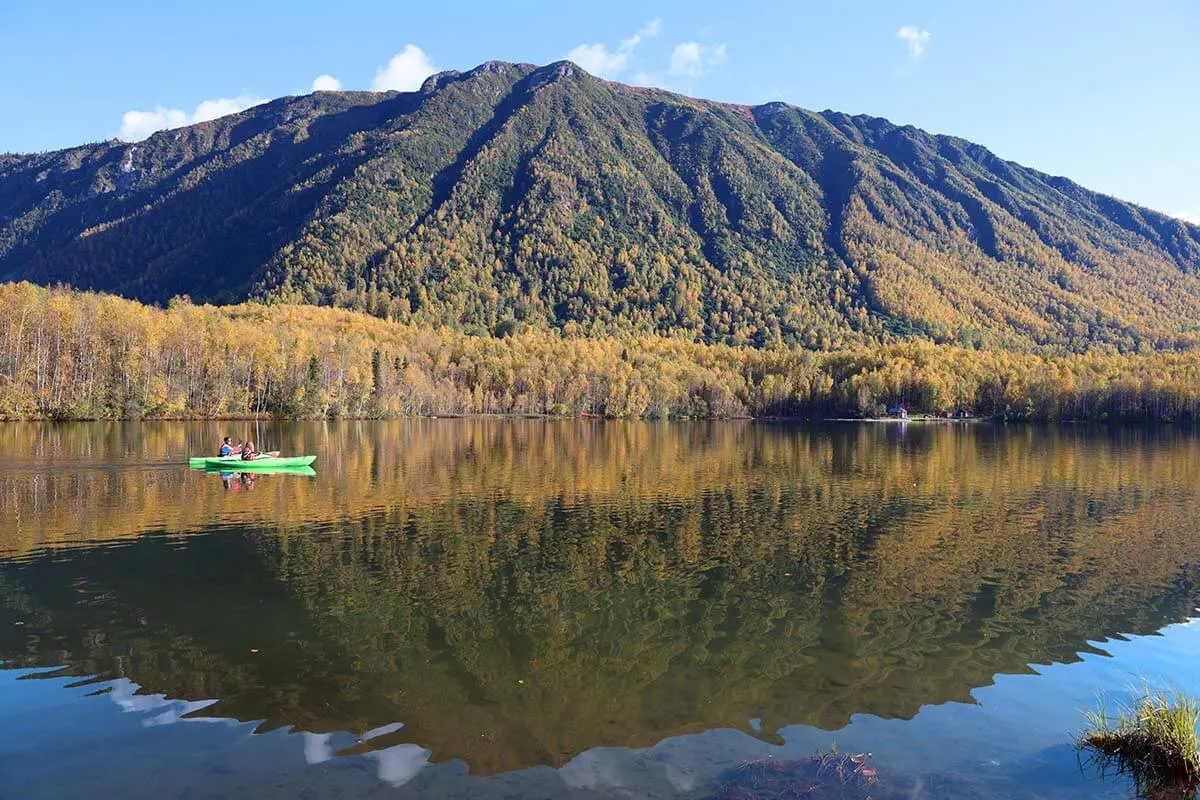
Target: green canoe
[(198, 462), (236, 463)]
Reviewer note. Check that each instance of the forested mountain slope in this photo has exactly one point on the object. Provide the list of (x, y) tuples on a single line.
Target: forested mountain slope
[(518, 195)]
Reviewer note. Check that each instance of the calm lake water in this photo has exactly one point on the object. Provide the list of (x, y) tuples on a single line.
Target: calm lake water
[(484, 608)]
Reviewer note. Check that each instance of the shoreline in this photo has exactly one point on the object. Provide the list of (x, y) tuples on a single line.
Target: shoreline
[(907, 420), (919, 420)]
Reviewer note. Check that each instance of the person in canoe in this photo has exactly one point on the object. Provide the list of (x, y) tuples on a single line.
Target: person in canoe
[(248, 452), (229, 449)]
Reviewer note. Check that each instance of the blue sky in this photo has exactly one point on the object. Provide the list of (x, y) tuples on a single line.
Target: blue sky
[(1102, 91)]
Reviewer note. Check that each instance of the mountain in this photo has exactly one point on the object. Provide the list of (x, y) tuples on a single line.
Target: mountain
[(543, 196)]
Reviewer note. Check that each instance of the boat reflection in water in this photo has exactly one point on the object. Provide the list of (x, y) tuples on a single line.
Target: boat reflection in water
[(234, 481)]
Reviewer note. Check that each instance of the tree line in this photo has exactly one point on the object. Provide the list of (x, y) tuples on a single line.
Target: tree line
[(77, 355)]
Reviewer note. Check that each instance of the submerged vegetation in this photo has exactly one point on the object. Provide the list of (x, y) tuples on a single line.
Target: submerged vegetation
[(1152, 740), (73, 355), (824, 776)]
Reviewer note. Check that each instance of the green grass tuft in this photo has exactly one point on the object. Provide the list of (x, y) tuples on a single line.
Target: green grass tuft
[(1153, 740)]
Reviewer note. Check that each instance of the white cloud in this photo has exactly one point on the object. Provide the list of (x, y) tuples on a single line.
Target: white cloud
[(317, 749), (596, 59), (400, 764), (124, 693), (692, 59), (137, 125), (688, 60), (596, 769), (599, 60), (223, 106), (326, 83), (648, 31), (407, 70), (917, 38)]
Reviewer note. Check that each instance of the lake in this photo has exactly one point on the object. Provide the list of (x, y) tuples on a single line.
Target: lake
[(527, 608)]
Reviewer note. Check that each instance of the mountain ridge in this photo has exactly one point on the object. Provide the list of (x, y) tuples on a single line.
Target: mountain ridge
[(512, 194)]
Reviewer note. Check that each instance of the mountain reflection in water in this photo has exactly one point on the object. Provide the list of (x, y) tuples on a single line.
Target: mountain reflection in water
[(513, 594)]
